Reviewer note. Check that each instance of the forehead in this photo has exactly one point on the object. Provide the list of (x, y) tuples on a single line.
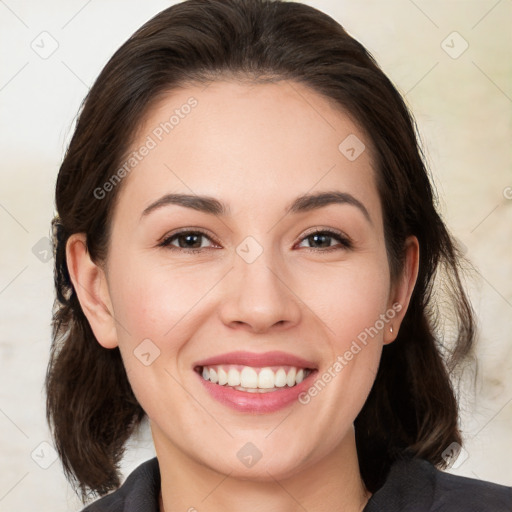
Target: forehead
[(249, 144)]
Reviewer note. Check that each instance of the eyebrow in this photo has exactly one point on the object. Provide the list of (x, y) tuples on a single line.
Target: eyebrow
[(212, 206)]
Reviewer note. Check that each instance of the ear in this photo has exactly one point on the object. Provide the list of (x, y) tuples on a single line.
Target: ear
[(401, 291), (90, 283)]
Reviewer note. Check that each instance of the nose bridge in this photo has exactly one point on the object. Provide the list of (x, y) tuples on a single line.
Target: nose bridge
[(259, 295)]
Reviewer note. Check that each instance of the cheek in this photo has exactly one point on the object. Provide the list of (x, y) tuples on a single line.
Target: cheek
[(150, 300), (354, 310), (149, 306), (350, 299), (157, 311)]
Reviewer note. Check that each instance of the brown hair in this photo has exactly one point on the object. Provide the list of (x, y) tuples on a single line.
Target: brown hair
[(412, 407)]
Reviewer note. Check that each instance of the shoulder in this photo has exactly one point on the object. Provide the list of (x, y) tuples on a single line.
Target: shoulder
[(415, 485), (469, 494), (138, 493)]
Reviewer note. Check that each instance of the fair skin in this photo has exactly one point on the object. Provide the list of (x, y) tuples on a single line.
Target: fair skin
[(255, 148)]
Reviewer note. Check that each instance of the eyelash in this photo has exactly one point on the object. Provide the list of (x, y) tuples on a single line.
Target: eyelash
[(340, 237)]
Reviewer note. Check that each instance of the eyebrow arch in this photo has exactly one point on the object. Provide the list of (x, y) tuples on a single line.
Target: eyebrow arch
[(212, 206), (204, 204), (309, 202)]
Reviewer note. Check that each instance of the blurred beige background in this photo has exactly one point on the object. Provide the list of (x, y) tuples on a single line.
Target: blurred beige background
[(451, 59)]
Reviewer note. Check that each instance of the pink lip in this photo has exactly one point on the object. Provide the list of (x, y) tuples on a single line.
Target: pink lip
[(255, 360), (257, 403)]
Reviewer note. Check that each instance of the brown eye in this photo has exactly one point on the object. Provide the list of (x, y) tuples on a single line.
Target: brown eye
[(189, 241), (322, 239)]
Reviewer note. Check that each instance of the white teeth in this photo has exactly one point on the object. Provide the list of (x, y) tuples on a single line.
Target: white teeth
[(266, 379), (223, 377), (290, 378), (249, 378), (254, 380), (233, 377), (255, 390), (213, 376), (280, 379)]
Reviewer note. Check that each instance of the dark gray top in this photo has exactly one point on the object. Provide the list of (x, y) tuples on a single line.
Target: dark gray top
[(412, 485)]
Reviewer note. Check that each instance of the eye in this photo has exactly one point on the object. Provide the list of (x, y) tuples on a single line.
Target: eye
[(189, 241), (324, 238)]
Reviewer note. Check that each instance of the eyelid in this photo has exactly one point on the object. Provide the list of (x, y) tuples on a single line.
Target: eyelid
[(323, 229), (164, 241), (190, 229), (332, 232)]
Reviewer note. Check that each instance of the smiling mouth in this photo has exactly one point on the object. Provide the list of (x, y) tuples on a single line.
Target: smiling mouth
[(254, 380)]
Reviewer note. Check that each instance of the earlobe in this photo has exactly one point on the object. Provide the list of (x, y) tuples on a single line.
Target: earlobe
[(404, 287), (90, 284)]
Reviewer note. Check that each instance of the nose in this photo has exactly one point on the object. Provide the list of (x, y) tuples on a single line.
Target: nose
[(259, 296)]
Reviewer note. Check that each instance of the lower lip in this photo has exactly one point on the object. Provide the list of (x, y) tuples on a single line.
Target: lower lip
[(257, 402)]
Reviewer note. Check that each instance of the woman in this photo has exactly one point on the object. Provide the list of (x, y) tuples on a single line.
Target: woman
[(219, 145)]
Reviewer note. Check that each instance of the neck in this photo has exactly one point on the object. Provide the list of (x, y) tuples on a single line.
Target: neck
[(332, 483)]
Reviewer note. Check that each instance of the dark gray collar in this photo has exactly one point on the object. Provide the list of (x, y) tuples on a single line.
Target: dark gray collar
[(412, 485)]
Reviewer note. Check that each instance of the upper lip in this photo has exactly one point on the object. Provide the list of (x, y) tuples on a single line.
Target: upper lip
[(257, 360)]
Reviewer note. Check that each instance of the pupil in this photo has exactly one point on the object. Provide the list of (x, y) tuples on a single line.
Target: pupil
[(320, 236), (190, 242)]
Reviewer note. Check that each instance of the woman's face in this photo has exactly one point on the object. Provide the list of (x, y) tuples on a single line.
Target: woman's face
[(276, 280)]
